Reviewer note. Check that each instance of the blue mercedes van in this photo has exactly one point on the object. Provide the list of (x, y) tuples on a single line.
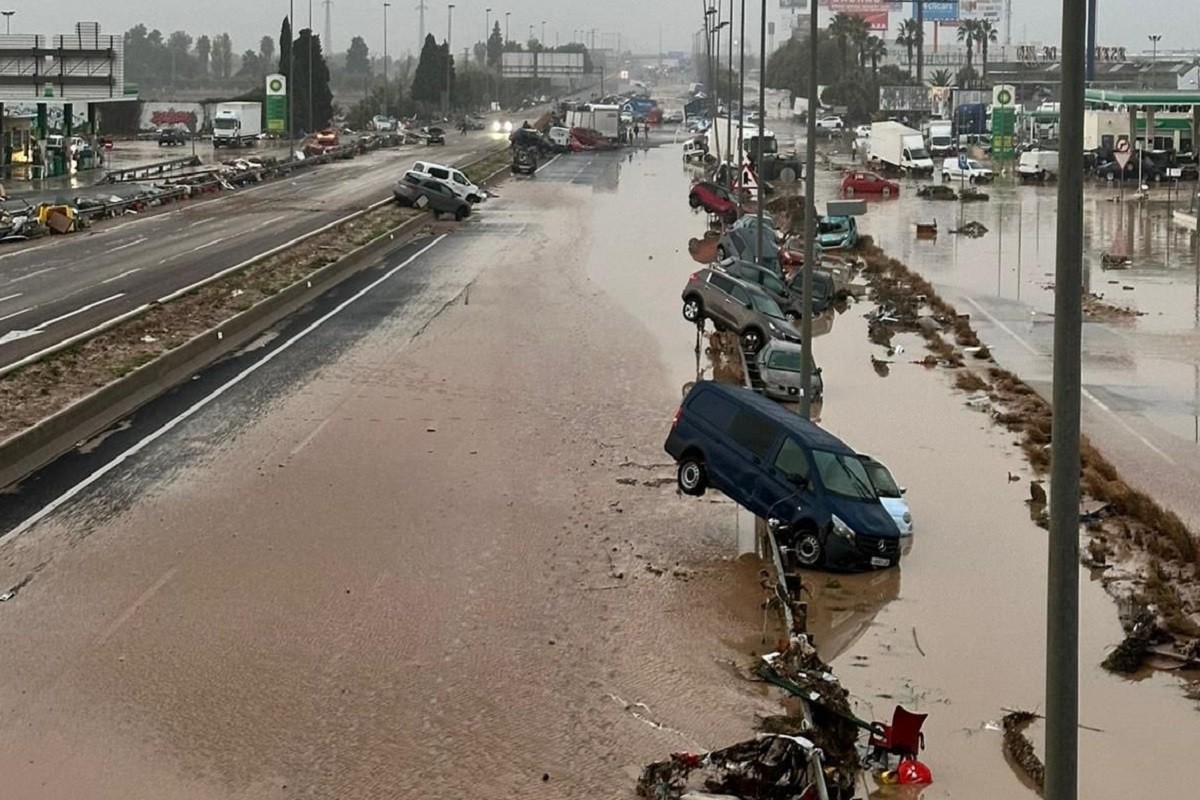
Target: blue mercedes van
[(779, 465)]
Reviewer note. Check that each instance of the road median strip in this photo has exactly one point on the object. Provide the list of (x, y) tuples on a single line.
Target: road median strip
[(51, 402)]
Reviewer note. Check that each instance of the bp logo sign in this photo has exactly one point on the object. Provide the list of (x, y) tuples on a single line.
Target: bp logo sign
[(276, 85), (1003, 96)]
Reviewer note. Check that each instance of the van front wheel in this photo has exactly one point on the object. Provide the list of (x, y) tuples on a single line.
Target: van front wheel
[(692, 476), (808, 549)]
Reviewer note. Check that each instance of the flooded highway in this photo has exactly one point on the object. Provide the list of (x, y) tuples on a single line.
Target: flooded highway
[(435, 546)]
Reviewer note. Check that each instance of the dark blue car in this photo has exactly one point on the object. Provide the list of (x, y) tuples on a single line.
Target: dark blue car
[(780, 466)]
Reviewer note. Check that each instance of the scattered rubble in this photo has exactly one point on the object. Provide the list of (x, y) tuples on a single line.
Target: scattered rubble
[(1019, 750)]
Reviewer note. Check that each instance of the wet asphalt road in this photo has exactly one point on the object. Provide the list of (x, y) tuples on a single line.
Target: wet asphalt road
[(56, 288)]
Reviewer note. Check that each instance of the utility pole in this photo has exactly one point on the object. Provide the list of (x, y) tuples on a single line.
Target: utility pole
[(421, 8), (729, 105), (741, 83), (507, 14), (1091, 41), (543, 39), (810, 221), (386, 6), (920, 8), (291, 84), (449, 52), (311, 50), (1062, 609), (328, 24), (762, 131)]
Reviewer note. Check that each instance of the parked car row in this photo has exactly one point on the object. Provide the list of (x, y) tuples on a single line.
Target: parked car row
[(830, 506)]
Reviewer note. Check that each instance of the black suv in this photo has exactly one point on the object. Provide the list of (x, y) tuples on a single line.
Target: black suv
[(171, 136)]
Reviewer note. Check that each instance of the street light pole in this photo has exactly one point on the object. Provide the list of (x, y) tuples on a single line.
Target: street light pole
[(507, 14), (1062, 608), (449, 52), (310, 67), (543, 39), (291, 84), (386, 6), (762, 131), (729, 91), (810, 222), (920, 8), (741, 82), (7, 21)]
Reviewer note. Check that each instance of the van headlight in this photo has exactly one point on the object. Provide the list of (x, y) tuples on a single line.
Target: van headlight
[(842, 529), (495, 126)]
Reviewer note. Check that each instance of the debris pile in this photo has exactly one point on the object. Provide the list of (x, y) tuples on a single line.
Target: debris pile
[(770, 767), (1019, 749)]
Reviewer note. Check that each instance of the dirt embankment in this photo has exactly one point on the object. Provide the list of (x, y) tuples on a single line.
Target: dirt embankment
[(1145, 555)]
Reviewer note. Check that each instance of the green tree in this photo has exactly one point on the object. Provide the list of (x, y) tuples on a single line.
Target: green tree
[(875, 50), (840, 28), (429, 81), (252, 65), (495, 46), (358, 58), (306, 52), (203, 50), (967, 76), (266, 53), (941, 77), (908, 36), (285, 50), (985, 32), (859, 33), (967, 31)]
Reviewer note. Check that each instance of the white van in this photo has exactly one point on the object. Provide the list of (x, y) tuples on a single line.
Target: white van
[(1038, 165), (560, 136), (459, 183)]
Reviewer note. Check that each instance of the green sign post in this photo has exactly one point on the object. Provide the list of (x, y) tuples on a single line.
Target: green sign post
[(277, 101), (1004, 122)]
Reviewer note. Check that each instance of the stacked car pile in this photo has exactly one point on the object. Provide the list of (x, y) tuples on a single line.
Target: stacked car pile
[(441, 189), (828, 504)]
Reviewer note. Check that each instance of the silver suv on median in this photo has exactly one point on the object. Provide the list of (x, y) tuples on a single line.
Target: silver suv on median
[(736, 305)]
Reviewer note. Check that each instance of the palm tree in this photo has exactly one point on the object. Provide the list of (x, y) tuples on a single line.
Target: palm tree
[(967, 31), (876, 49), (907, 38), (859, 32), (985, 32), (941, 77), (839, 29)]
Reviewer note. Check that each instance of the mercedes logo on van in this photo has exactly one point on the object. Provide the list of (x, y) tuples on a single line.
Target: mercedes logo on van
[(881, 546)]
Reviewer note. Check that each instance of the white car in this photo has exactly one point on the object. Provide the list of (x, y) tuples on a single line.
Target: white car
[(862, 132), (968, 170), (890, 494), (459, 183), (830, 123)]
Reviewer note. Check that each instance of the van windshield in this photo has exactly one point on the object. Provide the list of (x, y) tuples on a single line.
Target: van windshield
[(843, 475), (881, 479), (785, 360)]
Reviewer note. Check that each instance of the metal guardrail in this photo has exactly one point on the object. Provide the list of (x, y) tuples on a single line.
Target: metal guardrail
[(144, 172)]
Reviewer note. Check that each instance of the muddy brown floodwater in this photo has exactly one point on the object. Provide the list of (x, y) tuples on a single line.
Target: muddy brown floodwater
[(451, 562)]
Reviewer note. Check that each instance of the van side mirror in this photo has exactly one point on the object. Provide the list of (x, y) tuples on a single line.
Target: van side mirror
[(903, 490)]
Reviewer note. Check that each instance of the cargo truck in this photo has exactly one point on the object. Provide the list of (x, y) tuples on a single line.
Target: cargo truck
[(939, 139), (898, 148), (237, 124)]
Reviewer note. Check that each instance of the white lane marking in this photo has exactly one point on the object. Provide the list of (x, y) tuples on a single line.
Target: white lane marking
[(135, 242), (10, 297), (25, 250), (548, 163), (133, 609), (201, 222), (307, 440), (218, 240), (191, 411), (1004, 328), (274, 220), (17, 313), (1091, 397), (29, 275), (78, 311), (1121, 421), (122, 275)]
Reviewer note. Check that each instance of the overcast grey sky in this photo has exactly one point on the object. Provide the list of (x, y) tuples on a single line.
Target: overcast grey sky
[(1122, 22)]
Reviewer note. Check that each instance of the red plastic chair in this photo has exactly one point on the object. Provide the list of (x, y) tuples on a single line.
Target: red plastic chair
[(902, 738)]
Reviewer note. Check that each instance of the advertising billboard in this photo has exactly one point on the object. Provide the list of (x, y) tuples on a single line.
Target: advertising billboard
[(875, 12), (991, 10), (941, 12)]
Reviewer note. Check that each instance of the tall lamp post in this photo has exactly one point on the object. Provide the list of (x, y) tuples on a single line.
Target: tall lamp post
[(1154, 38), (449, 52), (543, 39), (310, 67), (810, 219), (733, 157), (291, 84), (8, 15), (386, 6), (507, 14), (741, 81)]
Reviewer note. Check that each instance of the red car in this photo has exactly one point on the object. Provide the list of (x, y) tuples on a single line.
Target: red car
[(714, 199), (868, 183)]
